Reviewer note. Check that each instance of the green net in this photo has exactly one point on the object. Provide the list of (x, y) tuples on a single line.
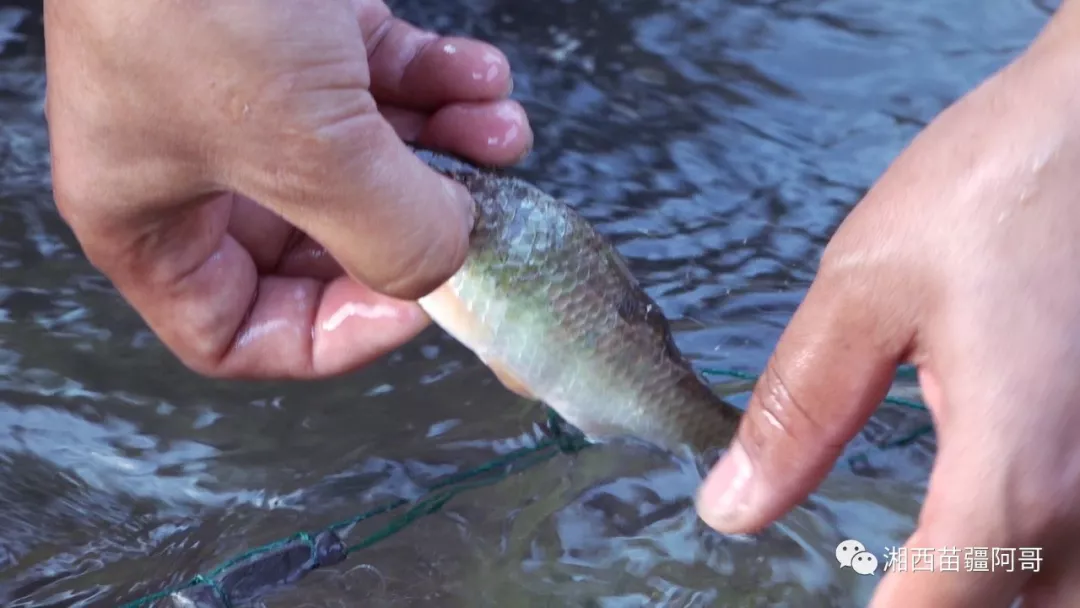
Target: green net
[(286, 560)]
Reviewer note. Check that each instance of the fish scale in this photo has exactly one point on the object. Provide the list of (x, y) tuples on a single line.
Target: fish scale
[(551, 307)]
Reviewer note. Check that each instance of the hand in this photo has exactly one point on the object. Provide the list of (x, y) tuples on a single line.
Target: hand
[(963, 259), (236, 169)]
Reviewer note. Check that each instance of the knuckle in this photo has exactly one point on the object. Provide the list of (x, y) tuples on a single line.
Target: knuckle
[(324, 161), (379, 31), (70, 193), (778, 418), (77, 206)]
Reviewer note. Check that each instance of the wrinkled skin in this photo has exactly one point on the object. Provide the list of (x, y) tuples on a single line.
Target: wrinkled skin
[(236, 169), (964, 259)]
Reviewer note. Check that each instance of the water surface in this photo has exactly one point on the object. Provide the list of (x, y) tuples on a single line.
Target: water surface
[(719, 144)]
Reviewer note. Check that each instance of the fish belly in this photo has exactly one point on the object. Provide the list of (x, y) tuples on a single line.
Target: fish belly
[(525, 349)]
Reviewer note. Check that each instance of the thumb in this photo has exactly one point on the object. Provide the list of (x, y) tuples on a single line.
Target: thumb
[(390, 221), (831, 368)]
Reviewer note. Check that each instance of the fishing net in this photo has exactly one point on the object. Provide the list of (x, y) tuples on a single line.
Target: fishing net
[(260, 570)]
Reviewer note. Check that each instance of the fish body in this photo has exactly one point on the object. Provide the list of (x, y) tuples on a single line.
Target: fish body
[(549, 305)]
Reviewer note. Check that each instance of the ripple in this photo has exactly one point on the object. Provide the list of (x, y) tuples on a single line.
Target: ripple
[(719, 145)]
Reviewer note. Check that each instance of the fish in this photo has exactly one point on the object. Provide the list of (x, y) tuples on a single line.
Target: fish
[(549, 305)]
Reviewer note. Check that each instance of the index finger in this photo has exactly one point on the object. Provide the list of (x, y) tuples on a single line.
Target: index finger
[(832, 366), (421, 70)]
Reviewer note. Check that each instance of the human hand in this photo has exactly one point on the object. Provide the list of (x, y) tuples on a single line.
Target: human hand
[(225, 165), (963, 260)]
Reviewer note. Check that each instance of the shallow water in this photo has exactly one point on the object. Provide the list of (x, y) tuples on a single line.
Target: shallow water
[(719, 144)]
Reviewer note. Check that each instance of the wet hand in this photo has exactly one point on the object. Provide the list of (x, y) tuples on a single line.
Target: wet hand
[(962, 259), (236, 169)]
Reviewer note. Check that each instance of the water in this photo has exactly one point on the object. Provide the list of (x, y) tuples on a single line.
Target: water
[(718, 143)]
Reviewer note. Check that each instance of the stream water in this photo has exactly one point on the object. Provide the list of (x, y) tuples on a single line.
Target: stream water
[(718, 144)]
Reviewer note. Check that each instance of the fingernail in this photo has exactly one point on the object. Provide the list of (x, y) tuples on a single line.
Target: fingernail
[(725, 495), (525, 153)]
